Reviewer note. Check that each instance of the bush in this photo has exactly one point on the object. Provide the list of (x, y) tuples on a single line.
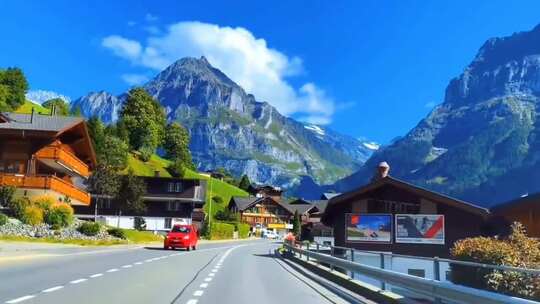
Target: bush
[(89, 228), (6, 195), (140, 223), (3, 219), (117, 232), (59, 215), (227, 216), (32, 215), (17, 207), (243, 230), (518, 251), (44, 202), (221, 231)]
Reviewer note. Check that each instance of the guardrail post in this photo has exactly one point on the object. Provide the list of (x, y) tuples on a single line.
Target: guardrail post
[(383, 284), (307, 252), (332, 254), (437, 274), (318, 262), (352, 260)]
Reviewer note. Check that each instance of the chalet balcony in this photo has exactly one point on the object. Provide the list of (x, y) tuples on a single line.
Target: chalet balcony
[(63, 161), (46, 183)]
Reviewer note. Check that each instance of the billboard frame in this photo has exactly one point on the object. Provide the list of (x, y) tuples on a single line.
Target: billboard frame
[(397, 241), (365, 241)]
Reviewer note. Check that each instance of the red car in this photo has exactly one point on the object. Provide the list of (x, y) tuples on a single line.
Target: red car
[(182, 236)]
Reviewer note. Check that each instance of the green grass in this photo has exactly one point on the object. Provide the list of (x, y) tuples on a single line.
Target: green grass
[(11, 238), (217, 187), (135, 236), (26, 108)]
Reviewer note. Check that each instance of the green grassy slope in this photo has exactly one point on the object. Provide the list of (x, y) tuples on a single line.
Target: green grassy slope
[(26, 108), (214, 187)]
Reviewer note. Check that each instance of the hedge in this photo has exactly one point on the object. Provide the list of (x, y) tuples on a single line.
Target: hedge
[(221, 231), (89, 228), (243, 230)]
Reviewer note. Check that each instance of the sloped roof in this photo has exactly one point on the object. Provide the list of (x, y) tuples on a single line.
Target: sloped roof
[(38, 122), (388, 180), (329, 195), (528, 200), (242, 203)]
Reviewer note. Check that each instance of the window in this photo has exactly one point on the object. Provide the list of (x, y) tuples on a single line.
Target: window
[(168, 223), (417, 272), (181, 229), (382, 206), (174, 206), (170, 187), (104, 204), (178, 187)]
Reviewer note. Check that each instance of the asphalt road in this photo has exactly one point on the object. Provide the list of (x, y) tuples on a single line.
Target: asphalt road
[(236, 272)]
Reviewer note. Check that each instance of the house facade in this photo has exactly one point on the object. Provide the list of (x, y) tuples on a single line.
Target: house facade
[(46, 155), (390, 215), (525, 210), (168, 201)]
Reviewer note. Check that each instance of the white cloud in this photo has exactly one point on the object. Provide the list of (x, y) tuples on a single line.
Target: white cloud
[(125, 48), (134, 79), (246, 59), (150, 18), (430, 104)]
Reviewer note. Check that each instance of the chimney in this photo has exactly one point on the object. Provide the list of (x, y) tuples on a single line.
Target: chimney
[(382, 171), (32, 116)]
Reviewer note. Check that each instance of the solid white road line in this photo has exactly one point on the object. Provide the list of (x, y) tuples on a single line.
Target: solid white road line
[(17, 300), (203, 285), (96, 275), (112, 270), (198, 293), (192, 301), (52, 289), (77, 281)]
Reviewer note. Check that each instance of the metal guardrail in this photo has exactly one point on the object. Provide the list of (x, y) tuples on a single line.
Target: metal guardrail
[(434, 260), (428, 287)]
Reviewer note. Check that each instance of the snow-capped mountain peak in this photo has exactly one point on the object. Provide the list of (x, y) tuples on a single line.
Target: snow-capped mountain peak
[(40, 96)]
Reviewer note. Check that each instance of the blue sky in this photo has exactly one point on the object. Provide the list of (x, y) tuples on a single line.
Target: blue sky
[(366, 68)]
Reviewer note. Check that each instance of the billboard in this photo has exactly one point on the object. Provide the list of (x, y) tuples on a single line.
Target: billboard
[(420, 228), (368, 227)]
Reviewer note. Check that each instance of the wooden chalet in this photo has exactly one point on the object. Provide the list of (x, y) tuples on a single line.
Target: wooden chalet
[(391, 215), (525, 210), (46, 155), (262, 211)]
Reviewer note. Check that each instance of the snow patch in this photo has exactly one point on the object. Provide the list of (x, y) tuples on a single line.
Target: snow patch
[(40, 96), (316, 129), (371, 145)]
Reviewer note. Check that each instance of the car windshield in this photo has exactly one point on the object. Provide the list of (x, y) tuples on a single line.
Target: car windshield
[(181, 229)]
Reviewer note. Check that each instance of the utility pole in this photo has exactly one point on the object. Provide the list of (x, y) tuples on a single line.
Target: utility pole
[(210, 208)]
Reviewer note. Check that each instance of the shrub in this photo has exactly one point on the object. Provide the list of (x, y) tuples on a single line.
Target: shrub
[(6, 195), (89, 228), (32, 215), (3, 219), (59, 215), (117, 232), (17, 207), (139, 223), (44, 202), (227, 216), (518, 251), (221, 231), (243, 230)]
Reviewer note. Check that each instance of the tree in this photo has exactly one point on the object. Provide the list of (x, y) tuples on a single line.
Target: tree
[(176, 145), (244, 183), (143, 119), (132, 190), (104, 181), (76, 111), (297, 226), (61, 107), (13, 87), (6, 195), (110, 150)]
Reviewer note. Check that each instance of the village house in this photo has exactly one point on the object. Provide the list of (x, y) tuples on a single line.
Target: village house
[(168, 201), (525, 210), (46, 155)]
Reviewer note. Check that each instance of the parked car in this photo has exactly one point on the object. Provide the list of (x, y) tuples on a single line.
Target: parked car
[(182, 236)]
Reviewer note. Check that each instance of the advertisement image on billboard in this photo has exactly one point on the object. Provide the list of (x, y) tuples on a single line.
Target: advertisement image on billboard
[(368, 227), (420, 228)]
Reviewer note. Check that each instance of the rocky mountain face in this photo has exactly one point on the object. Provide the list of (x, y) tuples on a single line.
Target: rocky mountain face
[(40, 96), (482, 143), (230, 128)]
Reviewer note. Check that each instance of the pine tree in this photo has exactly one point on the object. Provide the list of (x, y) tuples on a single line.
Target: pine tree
[(244, 183)]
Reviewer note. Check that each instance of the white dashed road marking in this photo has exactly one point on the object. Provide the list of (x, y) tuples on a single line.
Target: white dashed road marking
[(208, 279), (52, 289), (77, 281), (203, 285), (17, 300), (112, 270), (96, 275), (198, 293), (127, 266), (192, 301)]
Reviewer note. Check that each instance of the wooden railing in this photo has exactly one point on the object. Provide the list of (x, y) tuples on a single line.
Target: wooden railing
[(45, 182), (67, 158)]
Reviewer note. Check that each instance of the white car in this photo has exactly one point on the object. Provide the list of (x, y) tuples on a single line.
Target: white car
[(271, 235)]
